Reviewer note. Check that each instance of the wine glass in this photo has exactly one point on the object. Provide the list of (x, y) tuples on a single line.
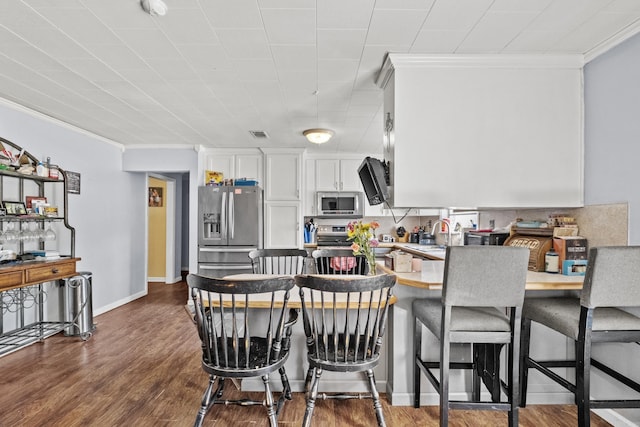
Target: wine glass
[(11, 235), (34, 234), (49, 235)]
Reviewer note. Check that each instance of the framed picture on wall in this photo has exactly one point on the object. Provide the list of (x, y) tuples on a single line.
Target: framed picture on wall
[(155, 197), (73, 182)]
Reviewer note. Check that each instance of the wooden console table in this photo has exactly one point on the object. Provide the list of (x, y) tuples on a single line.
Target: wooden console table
[(24, 282)]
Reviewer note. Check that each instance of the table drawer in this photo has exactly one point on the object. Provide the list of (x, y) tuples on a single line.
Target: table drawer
[(11, 279), (46, 273)]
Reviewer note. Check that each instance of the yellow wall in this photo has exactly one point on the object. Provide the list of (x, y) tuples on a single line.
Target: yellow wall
[(157, 233)]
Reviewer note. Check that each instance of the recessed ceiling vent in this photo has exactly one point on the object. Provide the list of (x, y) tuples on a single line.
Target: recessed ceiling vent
[(260, 134)]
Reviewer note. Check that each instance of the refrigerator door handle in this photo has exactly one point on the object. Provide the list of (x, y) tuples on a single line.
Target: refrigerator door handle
[(224, 267), (227, 249), (232, 215), (223, 215)]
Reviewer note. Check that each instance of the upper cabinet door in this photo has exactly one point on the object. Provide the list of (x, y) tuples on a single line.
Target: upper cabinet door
[(327, 175), (349, 179), (220, 163), (249, 166), (283, 176), (337, 175)]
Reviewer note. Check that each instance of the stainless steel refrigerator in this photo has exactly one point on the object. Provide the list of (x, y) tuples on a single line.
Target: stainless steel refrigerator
[(229, 227)]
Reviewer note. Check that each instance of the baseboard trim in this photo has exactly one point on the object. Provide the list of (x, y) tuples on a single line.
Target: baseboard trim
[(433, 399), (118, 303)]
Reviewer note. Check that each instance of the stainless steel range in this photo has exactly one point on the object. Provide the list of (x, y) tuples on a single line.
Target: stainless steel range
[(332, 235)]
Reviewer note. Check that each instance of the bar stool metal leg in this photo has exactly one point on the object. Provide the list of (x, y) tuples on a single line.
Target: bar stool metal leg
[(417, 347)]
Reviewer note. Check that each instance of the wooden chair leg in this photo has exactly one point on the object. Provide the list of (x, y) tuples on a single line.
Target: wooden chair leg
[(307, 382), (376, 397), (268, 398), (286, 387), (311, 397), (417, 348), (207, 401)]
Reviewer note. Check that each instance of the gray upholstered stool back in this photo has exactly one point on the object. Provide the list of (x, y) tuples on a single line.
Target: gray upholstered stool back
[(485, 276), (619, 265)]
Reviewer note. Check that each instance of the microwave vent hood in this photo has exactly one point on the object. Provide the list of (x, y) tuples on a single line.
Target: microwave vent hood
[(341, 204)]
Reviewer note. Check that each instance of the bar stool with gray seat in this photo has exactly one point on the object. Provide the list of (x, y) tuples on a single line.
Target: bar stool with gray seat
[(344, 320), (278, 261), (482, 296), (611, 285), (339, 261), (237, 345)]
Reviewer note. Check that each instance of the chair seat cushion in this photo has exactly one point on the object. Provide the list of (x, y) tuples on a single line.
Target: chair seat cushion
[(563, 315), (467, 319)]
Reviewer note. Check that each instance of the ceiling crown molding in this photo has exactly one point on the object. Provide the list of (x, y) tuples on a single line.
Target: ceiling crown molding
[(612, 42)]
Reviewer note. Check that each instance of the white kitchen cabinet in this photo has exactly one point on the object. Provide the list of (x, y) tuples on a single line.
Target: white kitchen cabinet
[(236, 164), (309, 192), (283, 198), (220, 162), (282, 226), (349, 179), (337, 175), (488, 131), (283, 176), (249, 166)]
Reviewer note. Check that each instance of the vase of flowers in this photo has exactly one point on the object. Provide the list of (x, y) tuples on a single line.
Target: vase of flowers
[(363, 236)]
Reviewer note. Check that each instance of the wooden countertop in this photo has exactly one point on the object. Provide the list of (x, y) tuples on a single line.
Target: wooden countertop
[(26, 273), (431, 278)]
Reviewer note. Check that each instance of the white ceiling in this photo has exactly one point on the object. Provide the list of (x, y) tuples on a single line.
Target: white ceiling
[(210, 71)]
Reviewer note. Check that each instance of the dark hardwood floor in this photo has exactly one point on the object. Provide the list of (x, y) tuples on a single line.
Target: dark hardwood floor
[(142, 368)]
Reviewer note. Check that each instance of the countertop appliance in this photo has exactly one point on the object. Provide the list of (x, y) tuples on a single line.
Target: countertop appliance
[(340, 204), (229, 227), (485, 238)]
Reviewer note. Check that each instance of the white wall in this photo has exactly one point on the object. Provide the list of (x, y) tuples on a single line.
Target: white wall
[(108, 214), (612, 131), (612, 150), (171, 160)]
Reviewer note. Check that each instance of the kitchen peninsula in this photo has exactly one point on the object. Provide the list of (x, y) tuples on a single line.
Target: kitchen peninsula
[(428, 283)]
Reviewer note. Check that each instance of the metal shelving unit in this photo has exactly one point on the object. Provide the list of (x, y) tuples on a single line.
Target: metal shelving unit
[(25, 305)]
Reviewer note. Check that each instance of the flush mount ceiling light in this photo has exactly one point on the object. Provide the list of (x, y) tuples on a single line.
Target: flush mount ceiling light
[(154, 7), (318, 136)]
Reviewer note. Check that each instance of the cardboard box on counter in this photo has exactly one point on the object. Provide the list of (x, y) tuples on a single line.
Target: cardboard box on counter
[(398, 261), (574, 267), (571, 248)]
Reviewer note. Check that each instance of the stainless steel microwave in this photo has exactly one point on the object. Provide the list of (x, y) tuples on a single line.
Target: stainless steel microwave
[(341, 204)]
